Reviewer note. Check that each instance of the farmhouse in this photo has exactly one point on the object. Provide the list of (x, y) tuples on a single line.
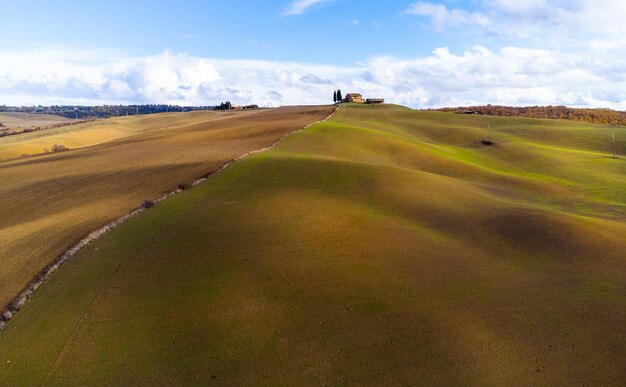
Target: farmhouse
[(358, 98), (354, 97)]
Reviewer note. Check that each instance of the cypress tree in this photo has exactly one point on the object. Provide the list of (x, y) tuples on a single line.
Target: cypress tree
[(339, 97), (335, 96)]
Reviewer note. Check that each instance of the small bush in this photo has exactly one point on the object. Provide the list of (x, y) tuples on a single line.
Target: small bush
[(59, 148), (147, 203), (17, 304)]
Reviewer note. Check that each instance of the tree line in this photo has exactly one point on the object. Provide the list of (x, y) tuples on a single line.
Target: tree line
[(104, 111), (229, 106), (337, 97), (593, 116)]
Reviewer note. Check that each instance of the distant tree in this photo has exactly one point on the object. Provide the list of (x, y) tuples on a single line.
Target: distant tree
[(334, 99), (224, 106), (339, 96)]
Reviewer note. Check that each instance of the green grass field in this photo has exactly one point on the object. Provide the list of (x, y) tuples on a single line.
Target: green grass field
[(385, 246)]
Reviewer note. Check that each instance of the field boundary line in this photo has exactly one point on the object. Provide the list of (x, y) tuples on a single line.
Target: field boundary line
[(14, 306)]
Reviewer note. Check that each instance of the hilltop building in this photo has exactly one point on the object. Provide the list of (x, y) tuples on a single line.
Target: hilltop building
[(354, 97), (358, 98)]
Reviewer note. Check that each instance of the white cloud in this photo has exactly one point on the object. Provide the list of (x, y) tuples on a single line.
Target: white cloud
[(604, 17), (517, 7), (511, 76), (552, 20), (442, 17), (297, 7)]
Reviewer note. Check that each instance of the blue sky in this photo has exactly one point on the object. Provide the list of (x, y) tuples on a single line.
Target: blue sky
[(327, 32), (418, 53)]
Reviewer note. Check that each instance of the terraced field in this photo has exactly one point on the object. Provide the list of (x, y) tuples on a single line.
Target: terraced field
[(51, 201), (383, 246)]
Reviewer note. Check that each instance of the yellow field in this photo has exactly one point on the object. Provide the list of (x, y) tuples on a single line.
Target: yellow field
[(95, 132)]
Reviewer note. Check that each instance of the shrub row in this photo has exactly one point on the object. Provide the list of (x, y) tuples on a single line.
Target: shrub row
[(18, 301)]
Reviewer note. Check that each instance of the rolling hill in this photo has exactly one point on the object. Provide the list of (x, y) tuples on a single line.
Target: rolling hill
[(99, 131), (382, 246), (15, 120), (51, 201)]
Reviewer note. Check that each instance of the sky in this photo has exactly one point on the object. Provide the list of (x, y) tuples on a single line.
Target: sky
[(423, 54)]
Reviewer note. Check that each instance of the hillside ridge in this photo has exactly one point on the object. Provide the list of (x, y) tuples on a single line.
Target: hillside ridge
[(588, 115)]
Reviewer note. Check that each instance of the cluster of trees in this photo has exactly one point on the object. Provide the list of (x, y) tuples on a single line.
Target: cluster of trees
[(337, 97), (229, 106), (105, 111), (224, 106), (594, 116)]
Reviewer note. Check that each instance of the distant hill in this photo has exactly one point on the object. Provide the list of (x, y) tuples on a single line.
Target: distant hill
[(15, 122), (104, 111), (90, 132), (594, 116)]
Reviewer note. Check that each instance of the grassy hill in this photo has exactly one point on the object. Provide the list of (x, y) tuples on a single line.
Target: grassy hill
[(383, 246), (99, 131), (51, 201)]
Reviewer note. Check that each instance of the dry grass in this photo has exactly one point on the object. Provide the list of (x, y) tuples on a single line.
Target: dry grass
[(13, 120)]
